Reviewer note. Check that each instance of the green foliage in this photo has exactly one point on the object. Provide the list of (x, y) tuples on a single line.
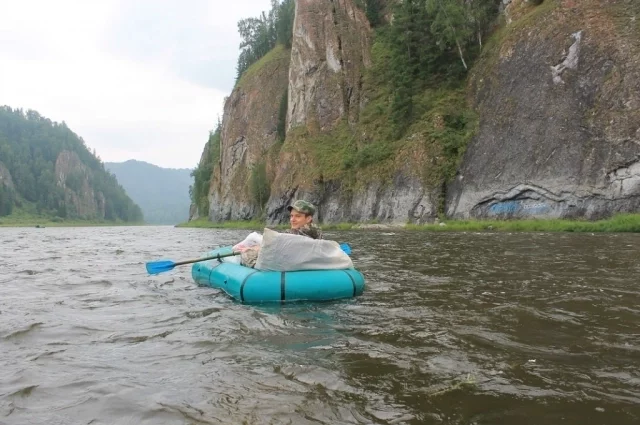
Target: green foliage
[(276, 55), (617, 223), (74, 180), (285, 13), (429, 43), (259, 185), (30, 146), (370, 154), (447, 124), (281, 129), (332, 152), (202, 174), (6, 200), (260, 35), (23, 218), (373, 9)]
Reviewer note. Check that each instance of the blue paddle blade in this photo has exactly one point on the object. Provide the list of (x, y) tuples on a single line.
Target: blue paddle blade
[(346, 248), (156, 267)]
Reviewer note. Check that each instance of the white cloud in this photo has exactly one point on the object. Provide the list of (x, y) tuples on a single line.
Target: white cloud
[(135, 79)]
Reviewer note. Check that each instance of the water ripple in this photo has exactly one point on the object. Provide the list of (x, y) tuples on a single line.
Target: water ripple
[(453, 328)]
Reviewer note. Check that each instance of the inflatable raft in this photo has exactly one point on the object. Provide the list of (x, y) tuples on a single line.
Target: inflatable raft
[(249, 285)]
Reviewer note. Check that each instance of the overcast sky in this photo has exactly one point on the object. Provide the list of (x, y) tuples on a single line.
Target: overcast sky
[(136, 79)]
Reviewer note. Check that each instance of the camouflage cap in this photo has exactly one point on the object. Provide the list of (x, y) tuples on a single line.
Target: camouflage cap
[(303, 207)]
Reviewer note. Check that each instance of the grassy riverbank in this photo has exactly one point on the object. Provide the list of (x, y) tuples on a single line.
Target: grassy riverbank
[(27, 220), (618, 223)]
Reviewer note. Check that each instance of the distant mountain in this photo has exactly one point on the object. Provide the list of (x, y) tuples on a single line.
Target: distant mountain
[(47, 170), (161, 193)]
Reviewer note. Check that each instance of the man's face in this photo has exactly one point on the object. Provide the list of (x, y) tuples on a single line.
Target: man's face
[(299, 219)]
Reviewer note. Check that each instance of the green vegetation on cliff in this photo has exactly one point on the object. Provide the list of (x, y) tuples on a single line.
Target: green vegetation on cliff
[(47, 171), (203, 173), (431, 44), (260, 35)]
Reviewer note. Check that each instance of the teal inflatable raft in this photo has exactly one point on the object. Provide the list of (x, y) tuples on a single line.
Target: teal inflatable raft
[(249, 285)]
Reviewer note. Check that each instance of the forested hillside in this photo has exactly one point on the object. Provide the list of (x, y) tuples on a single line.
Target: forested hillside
[(161, 193), (47, 170)]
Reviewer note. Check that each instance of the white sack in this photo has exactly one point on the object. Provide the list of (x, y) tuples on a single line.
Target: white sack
[(254, 239), (250, 241), (286, 252)]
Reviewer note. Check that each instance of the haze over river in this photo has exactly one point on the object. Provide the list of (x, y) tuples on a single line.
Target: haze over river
[(453, 328)]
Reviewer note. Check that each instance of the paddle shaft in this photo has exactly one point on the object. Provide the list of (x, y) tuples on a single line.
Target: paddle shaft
[(213, 257)]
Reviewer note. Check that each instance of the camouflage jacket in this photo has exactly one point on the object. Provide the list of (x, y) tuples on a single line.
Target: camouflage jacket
[(310, 230)]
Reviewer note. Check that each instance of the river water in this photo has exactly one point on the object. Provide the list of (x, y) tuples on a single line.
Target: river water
[(453, 328)]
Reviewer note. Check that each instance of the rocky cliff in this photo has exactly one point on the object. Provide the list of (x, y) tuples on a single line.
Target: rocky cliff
[(556, 89), (73, 176), (558, 95), (330, 55), (331, 45), (322, 77), (249, 131)]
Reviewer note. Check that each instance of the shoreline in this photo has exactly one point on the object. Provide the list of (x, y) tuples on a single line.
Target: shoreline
[(42, 222), (620, 223)]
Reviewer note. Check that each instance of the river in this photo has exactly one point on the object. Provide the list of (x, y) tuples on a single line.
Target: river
[(453, 328)]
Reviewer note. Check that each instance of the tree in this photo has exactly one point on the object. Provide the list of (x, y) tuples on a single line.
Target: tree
[(450, 24), (429, 41), (6, 200), (259, 185), (203, 172), (260, 35), (372, 9)]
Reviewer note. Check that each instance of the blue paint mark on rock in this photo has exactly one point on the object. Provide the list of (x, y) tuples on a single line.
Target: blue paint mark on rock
[(522, 208)]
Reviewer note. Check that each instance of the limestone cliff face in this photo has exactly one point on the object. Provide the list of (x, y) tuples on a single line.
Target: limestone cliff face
[(329, 56), (74, 177), (401, 200), (330, 47), (559, 104), (249, 130), (322, 77)]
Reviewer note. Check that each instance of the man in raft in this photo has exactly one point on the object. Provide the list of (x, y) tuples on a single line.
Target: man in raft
[(301, 220)]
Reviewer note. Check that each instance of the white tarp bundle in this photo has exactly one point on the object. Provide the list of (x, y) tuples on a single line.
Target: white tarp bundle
[(253, 240), (285, 252)]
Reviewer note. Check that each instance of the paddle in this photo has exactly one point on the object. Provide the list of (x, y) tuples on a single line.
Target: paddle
[(346, 248), (155, 267)]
